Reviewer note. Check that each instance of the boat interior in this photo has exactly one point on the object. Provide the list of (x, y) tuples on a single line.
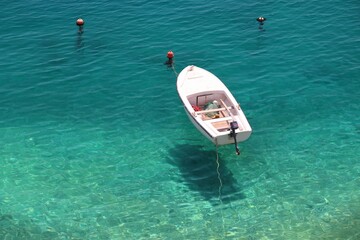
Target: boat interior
[(214, 108)]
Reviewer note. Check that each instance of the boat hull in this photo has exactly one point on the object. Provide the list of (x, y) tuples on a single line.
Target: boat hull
[(197, 88)]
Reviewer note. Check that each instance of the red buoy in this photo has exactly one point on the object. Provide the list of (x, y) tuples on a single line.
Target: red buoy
[(170, 54), (80, 22)]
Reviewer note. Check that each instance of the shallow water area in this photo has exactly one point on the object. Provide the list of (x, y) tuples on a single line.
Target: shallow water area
[(95, 143)]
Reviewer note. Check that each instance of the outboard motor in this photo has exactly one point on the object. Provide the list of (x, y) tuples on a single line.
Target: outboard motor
[(234, 125)]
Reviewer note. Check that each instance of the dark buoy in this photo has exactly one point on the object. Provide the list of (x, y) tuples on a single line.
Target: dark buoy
[(261, 21), (80, 22), (170, 61)]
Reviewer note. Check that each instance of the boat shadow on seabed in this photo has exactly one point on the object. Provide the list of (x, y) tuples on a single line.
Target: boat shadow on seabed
[(198, 168)]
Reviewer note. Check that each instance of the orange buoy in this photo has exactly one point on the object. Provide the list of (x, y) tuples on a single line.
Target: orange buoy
[(80, 22), (170, 54)]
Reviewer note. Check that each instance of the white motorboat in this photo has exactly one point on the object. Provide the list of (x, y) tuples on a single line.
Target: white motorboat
[(211, 107)]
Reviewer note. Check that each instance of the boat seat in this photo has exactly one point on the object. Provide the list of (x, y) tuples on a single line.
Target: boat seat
[(210, 110), (213, 120), (221, 125)]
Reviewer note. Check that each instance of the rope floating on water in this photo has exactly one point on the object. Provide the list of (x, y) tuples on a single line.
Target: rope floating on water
[(220, 188), (173, 68), (218, 173)]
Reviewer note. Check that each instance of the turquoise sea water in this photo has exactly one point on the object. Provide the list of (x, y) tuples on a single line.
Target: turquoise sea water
[(95, 143)]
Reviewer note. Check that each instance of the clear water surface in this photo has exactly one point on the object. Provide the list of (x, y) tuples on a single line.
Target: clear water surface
[(95, 143)]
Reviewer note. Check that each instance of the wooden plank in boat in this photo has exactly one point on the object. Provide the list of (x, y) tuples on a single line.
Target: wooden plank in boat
[(221, 125)]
